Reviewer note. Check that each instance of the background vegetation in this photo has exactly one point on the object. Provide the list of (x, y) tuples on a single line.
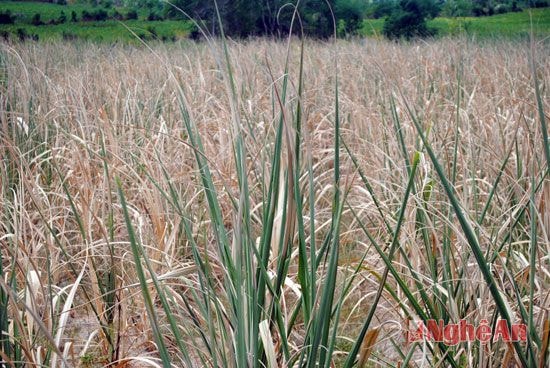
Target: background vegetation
[(108, 21)]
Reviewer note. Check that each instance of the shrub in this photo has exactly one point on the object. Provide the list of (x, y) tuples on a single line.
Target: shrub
[(381, 9), (87, 16), (116, 15), (101, 15), (481, 11), (405, 25), (132, 14), (348, 14), (74, 17), (538, 3), (170, 37), (62, 17), (241, 18), (97, 15), (36, 20), (153, 32), (154, 16), (68, 36), (457, 8), (6, 17), (341, 28), (409, 20), (195, 34), (144, 37), (501, 9), (482, 8), (21, 34)]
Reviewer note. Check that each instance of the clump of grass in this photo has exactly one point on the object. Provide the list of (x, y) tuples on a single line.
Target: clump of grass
[(254, 204)]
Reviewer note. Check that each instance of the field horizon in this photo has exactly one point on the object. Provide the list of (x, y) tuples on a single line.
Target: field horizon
[(511, 25)]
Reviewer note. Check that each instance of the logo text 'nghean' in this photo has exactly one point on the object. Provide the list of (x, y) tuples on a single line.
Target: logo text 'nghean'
[(463, 331)]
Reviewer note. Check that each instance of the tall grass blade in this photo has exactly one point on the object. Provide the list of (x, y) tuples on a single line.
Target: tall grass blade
[(138, 253), (352, 356), (540, 109), (470, 235)]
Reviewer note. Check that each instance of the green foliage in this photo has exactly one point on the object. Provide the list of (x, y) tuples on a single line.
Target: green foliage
[(409, 19), (482, 7), (513, 24), (23, 35), (23, 11), (62, 17), (36, 21), (317, 17), (239, 18), (117, 15), (87, 16), (351, 12), (381, 8), (153, 15), (152, 31), (6, 17), (509, 25), (132, 14), (182, 9), (243, 18), (271, 18), (457, 8), (107, 31), (68, 35), (95, 15)]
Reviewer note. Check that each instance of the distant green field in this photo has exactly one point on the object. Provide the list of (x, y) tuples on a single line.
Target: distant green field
[(509, 24), (502, 25), (24, 10), (108, 31)]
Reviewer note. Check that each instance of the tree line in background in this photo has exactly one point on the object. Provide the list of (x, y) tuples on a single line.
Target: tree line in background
[(404, 18), (316, 18)]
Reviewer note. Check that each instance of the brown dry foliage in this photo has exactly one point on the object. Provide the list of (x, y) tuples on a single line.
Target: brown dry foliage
[(74, 96)]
